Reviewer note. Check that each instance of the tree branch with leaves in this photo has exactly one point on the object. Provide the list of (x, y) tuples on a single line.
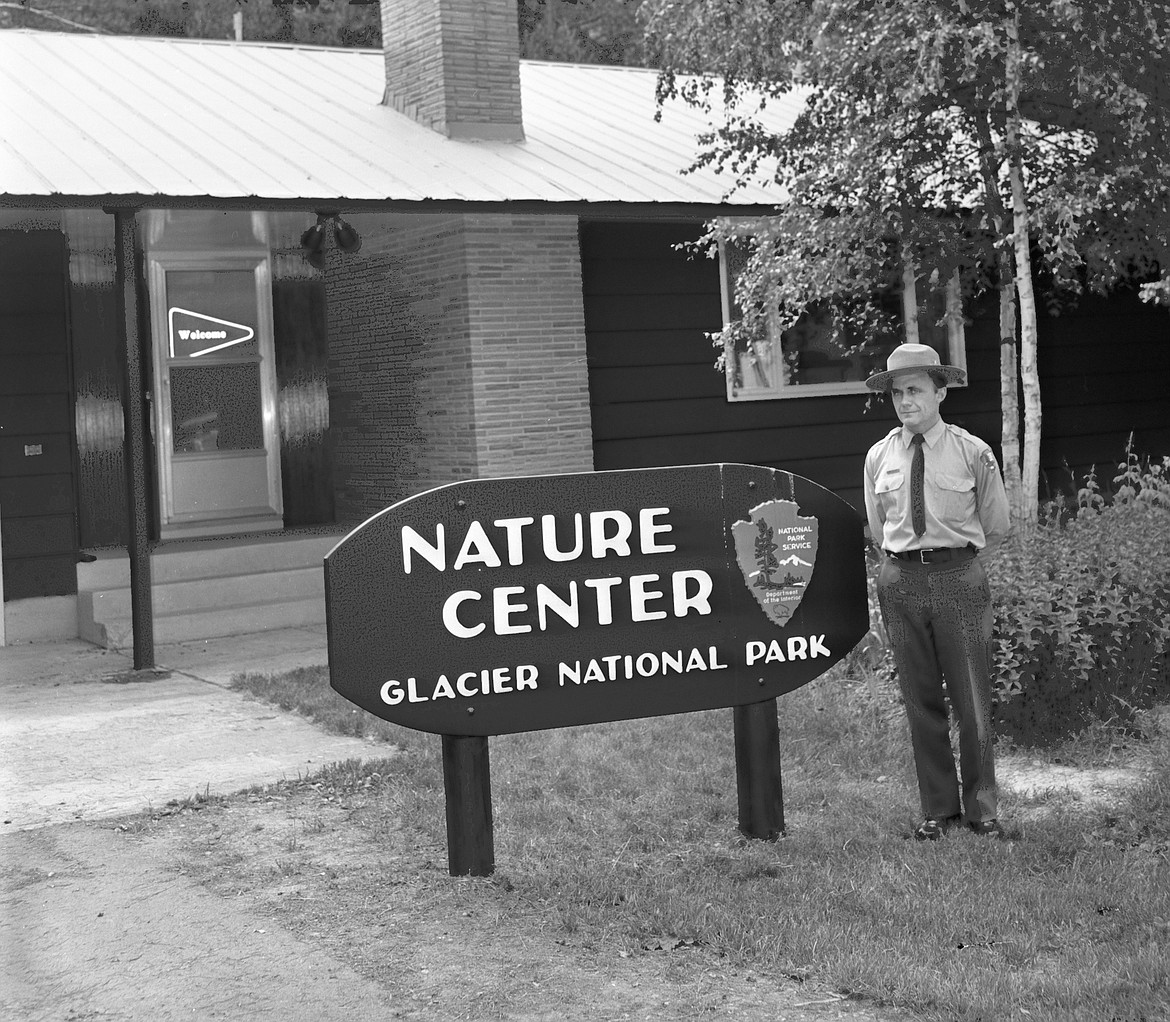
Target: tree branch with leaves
[(955, 136)]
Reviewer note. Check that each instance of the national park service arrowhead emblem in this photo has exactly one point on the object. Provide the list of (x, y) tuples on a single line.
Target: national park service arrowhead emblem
[(776, 549)]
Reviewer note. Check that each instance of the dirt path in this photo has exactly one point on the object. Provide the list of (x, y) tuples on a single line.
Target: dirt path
[(99, 929)]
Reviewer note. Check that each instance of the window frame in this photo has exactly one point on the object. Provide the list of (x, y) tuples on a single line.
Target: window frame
[(956, 354)]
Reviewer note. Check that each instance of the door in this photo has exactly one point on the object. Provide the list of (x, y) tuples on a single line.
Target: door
[(214, 414)]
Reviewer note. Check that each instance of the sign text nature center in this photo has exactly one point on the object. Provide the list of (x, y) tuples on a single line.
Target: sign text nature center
[(502, 605)]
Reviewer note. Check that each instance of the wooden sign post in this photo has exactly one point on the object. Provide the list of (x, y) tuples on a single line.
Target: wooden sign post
[(757, 770), (467, 784), (497, 606)]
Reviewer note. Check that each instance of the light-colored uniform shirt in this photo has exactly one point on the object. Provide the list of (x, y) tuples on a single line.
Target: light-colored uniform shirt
[(965, 499)]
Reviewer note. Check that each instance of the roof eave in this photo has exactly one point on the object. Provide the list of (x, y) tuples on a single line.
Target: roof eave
[(611, 209)]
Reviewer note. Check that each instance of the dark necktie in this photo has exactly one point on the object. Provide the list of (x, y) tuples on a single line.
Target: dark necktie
[(917, 497)]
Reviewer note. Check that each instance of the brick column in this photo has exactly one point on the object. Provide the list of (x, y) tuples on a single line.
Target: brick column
[(527, 319), (456, 351)]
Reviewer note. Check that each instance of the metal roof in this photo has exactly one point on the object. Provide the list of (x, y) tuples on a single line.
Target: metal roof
[(86, 117)]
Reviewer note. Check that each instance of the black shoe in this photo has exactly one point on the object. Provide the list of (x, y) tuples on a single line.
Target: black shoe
[(987, 828), (932, 828)]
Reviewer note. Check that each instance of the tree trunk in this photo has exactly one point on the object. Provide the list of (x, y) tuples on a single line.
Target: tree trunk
[(1029, 375), (1009, 403), (909, 297), (1009, 390)]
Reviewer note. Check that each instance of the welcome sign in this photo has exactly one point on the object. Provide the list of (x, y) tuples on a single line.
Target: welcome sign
[(194, 334), (496, 606)]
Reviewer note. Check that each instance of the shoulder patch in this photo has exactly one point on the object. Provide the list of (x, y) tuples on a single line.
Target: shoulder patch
[(988, 459)]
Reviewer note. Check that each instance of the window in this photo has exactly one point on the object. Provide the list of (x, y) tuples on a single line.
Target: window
[(807, 360), (214, 363)]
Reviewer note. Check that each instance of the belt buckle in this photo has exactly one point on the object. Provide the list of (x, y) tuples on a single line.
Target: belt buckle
[(922, 556)]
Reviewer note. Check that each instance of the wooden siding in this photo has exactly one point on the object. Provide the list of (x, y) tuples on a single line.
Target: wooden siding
[(657, 400), (37, 497), (1104, 367)]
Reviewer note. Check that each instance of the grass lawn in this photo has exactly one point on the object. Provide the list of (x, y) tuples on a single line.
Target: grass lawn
[(626, 834)]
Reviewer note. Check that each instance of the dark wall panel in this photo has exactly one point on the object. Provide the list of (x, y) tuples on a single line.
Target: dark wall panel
[(50, 535), (41, 411), (36, 418), (34, 452), (49, 494), (39, 335), (28, 577), (20, 373)]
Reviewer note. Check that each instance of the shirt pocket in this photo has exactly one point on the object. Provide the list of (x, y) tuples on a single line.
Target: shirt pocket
[(956, 497), (890, 488)]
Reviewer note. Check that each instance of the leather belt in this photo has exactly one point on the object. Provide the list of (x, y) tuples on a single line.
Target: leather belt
[(935, 556)]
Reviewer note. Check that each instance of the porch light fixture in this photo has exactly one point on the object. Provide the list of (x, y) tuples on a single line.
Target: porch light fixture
[(348, 240), (313, 240)]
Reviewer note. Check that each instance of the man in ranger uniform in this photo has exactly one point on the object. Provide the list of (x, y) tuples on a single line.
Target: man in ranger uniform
[(936, 507)]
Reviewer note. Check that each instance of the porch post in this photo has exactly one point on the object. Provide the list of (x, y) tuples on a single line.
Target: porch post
[(138, 504)]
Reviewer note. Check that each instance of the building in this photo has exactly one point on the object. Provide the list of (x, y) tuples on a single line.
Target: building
[(300, 284)]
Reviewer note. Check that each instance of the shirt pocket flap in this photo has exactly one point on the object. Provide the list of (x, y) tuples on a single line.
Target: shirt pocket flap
[(958, 483), (888, 482)]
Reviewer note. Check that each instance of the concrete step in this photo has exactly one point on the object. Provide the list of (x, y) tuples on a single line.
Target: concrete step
[(208, 589), (174, 562), (214, 591), (118, 633)]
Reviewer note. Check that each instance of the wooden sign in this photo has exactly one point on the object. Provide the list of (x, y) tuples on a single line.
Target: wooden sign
[(503, 605)]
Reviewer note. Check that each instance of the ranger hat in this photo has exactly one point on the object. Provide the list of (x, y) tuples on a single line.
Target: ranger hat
[(914, 358)]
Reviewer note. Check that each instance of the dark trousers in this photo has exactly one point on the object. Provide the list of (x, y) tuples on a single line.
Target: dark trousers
[(939, 620)]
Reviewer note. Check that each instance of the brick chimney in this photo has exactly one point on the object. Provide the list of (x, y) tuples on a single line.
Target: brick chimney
[(454, 65)]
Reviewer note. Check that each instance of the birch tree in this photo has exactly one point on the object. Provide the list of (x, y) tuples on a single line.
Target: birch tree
[(949, 136)]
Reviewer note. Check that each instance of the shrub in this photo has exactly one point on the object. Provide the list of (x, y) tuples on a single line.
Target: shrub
[(1083, 609)]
